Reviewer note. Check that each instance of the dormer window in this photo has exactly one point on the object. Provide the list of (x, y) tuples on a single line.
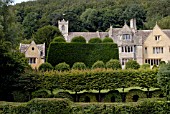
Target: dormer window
[(41, 53), (126, 36), (157, 37)]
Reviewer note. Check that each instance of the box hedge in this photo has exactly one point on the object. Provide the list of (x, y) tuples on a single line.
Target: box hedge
[(81, 52)]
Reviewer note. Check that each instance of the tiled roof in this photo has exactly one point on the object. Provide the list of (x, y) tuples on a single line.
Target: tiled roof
[(167, 32)]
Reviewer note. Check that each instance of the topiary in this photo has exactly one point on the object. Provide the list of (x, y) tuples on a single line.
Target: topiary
[(62, 67), (114, 64), (88, 97), (79, 66), (78, 39), (45, 67), (107, 40), (59, 39), (40, 94), (145, 66), (98, 64), (95, 40), (132, 64), (112, 97), (155, 67), (64, 95)]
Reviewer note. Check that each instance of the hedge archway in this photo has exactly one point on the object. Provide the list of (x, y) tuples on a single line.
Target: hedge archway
[(88, 97), (112, 97), (132, 95), (157, 94)]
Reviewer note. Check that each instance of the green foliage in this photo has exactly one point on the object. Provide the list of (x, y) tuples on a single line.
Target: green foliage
[(107, 40), (80, 52), (132, 64), (154, 67), (98, 64), (59, 39), (40, 94), (95, 40), (20, 96), (92, 97), (62, 67), (45, 67), (145, 66), (163, 78), (109, 97), (164, 23), (78, 39), (79, 66), (113, 64), (162, 63), (64, 95), (46, 34)]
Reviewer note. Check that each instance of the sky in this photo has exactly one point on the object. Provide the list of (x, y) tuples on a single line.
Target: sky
[(19, 1)]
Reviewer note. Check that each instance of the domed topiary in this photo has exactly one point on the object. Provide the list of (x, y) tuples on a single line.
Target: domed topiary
[(62, 67), (98, 64), (145, 66), (79, 66), (114, 64), (107, 40), (59, 39), (78, 39), (95, 40), (131, 64), (45, 67)]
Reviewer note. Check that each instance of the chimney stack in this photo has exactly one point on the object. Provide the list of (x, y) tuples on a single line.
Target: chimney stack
[(133, 24)]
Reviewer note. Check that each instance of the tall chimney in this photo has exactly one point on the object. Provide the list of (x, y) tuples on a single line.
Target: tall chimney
[(133, 24)]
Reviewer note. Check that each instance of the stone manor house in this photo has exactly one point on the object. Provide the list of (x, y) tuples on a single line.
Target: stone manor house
[(144, 46)]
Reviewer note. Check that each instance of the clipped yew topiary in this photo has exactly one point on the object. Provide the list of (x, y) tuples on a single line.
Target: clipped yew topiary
[(78, 39), (45, 67), (62, 67), (107, 40), (132, 64), (95, 40), (145, 66), (98, 64), (79, 66), (59, 39), (113, 64)]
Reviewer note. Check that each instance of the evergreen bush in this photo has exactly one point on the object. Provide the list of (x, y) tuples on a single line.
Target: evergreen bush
[(59, 39), (62, 67), (132, 64), (98, 64), (40, 94), (145, 66), (113, 64), (79, 66), (78, 39), (45, 67), (95, 40), (107, 40)]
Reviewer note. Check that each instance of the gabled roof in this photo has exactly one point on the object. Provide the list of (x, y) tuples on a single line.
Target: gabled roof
[(125, 29)]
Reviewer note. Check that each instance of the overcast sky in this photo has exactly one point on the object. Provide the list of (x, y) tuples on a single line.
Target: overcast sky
[(19, 1)]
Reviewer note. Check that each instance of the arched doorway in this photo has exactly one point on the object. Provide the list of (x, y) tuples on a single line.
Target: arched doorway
[(112, 99), (135, 98), (87, 99)]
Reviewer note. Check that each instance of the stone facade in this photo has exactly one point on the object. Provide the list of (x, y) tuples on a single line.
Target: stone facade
[(34, 52)]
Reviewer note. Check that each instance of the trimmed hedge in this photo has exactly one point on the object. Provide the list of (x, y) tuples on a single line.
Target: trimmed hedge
[(107, 40), (64, 106), (79, 52), (95, 40), (98, 64), (109, 97), (45, 67), (91, 97), (62, 67), (79, 66), (78, 39), (59, 39), (113, 64)]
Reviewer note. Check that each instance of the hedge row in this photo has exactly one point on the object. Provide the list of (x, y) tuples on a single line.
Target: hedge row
[(81, 52), (64, 106)]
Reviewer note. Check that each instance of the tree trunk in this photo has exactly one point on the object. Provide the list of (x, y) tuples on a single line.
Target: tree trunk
[(148, 93), (76, 97), (99, 96)]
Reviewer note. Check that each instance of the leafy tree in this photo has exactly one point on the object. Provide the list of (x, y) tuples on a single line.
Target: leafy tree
[(95, 40), (79, 66), (113, 64), (62, 67), (107, 40), (45, 67), (164, 23), (132, 64), (163, 78), (59, 39), (78, 39), (46, 34), (98, 64)]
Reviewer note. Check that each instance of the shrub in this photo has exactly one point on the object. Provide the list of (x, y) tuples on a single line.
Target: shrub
[(87, 97), (145, 66), (45, 67), (20, 96), (107, 40), (59, 39), (95, 40), (98, 64), (40, 94), (112, 97), (132, 64), (64, 95), (62, 67), (154, 67), (162, 62), (78, 39), (79, 66), (114, 64)]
